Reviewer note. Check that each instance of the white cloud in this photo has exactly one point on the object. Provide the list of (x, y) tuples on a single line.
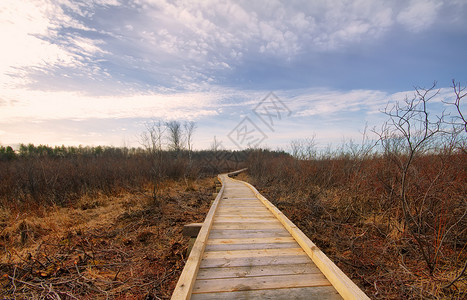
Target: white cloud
[(38, 105), (21, 24), (319, 102), (207, 30), (185, 43), (73, 118), (327, 102), (30, 31), (419, 15)]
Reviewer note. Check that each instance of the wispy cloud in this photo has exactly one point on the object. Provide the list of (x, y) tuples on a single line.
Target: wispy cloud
[(137, 59), (185, 45), (41, 106), (419, 14)]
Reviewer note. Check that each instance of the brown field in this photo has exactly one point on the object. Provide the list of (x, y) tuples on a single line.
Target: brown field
[(351, 209), (122, 246)]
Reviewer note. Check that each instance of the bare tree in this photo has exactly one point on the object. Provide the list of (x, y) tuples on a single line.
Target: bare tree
[(459, 120), (189, 128), (459, 93), (215, 145), (175, 135), (152, 140), (304, 148), (152, 137), (410, 132)]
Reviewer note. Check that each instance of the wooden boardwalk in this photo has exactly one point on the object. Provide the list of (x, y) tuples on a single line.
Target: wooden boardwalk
[(247, 249)]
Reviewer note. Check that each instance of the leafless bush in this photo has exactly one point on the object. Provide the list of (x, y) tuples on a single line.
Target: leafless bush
[(394, 212)]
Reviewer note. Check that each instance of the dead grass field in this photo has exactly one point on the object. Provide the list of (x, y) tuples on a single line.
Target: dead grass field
[(120, 247), (345, 208)]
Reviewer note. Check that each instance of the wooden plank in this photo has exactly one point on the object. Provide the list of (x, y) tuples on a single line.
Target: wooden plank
[(251, 271), (259, 283), (247, 211), (287, 239), (230, 247), (271, 219), (245, 214), (243, 208), (232, 200), (254, 253), (236, 195), (307, 293), (187, 278), (248, 225), (238, 199), (234, 173), (254, 261), (241, 200), (245, 233), (346, 287), (242, 205), (192, 230), (245, 219)]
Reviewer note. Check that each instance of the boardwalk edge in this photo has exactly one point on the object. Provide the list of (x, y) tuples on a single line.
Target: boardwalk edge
[(341, 282)]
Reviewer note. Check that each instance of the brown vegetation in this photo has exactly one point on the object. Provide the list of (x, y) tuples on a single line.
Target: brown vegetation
[(122, 246), (99, 222), (348, 209), (391, 213)]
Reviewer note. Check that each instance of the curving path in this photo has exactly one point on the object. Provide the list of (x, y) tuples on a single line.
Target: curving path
[(247, 249)]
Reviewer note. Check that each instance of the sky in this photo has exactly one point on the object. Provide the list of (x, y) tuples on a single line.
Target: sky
[(250, 73)]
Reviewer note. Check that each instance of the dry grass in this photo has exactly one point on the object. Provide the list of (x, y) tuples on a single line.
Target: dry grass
[(125, 246), (369, 244)]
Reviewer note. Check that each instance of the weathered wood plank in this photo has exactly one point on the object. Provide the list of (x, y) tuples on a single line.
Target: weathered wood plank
[(253, 212), (253, 261), (307, 293), (192, 230), (241, 202), (239, 233), (246, 222), (259, 283), (231, 247), (254, 253), (249, 225), (226, 217), (236, 198), (244, 209), (250, 211), (287, 239), (271, 219), (269, 270), (259, 215), (244, 206)]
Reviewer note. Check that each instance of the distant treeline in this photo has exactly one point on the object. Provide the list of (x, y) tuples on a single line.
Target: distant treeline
[(58, 175), (30, 150)]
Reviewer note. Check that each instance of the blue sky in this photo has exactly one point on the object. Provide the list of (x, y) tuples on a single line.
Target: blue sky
[(94, 72)]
